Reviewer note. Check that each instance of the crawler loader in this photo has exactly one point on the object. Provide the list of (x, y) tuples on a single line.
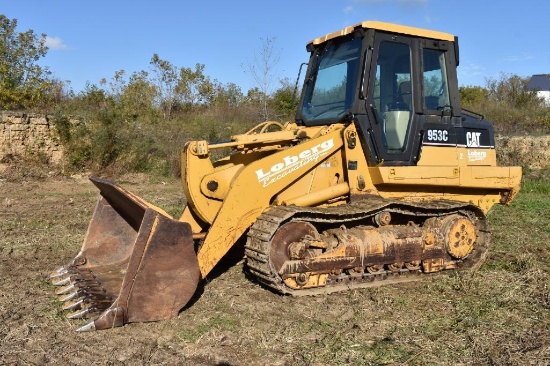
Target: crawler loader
[(382, 178)]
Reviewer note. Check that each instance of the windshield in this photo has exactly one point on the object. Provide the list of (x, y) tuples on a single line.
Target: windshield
[(331, 86)]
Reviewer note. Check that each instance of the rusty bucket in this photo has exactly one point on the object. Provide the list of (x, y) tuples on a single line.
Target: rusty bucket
[(137, 264)]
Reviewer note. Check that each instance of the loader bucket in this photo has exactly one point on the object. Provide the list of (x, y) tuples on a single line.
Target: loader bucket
[(137, 264)]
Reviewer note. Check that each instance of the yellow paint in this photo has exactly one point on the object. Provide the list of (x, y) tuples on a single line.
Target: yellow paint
[(254, 187), (321, 165), (386, 27)]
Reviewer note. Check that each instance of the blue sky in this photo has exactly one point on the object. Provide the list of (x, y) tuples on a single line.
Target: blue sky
[(90, 40)]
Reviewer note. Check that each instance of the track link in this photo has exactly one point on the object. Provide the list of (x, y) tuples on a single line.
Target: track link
[(361, 212)]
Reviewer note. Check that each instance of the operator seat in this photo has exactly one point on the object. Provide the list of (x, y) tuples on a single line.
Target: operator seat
[(405, 94), (397, 119)]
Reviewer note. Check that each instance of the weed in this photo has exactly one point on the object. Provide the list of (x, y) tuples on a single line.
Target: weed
[(536, 186), (498, 315), (214, 323), (388, 350)]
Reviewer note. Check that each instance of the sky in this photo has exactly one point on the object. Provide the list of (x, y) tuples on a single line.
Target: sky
[(91, 40)]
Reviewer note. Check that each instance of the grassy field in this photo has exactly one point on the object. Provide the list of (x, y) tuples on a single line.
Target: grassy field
[(499, 315)]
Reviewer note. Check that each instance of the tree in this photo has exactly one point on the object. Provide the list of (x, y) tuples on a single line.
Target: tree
[(472, 95), (167, 81), (262, 71), (137, 97), (193, 86), (230, 95), (22, 81), (284, 100), (511, 90)]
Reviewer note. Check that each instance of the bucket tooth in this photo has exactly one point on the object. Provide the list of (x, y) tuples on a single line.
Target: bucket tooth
[(66, 289), (61, 281), (81, 293), (88, 301), (67, 279), (74, 305), (76, 285), (70, 296), (88, 327), (61, 271), (81, 314), (79, 276), (85, 312), (71, 268)]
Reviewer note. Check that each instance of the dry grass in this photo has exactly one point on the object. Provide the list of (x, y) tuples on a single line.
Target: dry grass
[(498, 316)]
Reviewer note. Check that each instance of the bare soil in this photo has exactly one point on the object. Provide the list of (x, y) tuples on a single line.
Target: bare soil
[(500, 315)]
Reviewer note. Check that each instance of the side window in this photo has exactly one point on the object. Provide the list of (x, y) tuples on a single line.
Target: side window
[(393, 94), (436, 89)]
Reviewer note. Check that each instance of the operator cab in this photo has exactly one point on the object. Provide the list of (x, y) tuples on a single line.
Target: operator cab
[(394, 82)]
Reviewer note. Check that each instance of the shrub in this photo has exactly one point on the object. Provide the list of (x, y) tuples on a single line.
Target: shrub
[(509, 105)]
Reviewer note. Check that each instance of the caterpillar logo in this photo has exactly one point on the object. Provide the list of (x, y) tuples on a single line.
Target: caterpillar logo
[(292, 163), (473, 139)]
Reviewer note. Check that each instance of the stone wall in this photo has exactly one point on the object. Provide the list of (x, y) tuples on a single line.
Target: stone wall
[(28, 136), (532, 152)]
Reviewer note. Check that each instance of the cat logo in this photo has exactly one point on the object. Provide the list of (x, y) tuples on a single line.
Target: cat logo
[(472, 139)]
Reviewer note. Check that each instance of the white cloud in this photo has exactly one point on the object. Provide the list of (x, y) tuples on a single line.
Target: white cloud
[(520, 57), (55, 43), (471, 72), (348, 9)]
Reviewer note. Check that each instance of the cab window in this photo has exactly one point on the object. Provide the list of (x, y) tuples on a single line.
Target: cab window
[(330, 90), (393, 94), (435, 85)]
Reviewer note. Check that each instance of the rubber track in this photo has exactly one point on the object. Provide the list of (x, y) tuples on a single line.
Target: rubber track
[(257, 248)]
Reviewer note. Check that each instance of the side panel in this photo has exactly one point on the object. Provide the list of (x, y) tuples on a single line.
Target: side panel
[(468, 142), (481, 185)]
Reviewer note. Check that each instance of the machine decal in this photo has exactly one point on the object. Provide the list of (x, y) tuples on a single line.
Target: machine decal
[(292, 163), (468, 137), (438, 135), (472, 139), (474, 155)]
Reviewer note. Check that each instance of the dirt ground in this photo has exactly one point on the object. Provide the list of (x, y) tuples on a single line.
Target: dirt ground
[(499, 316)]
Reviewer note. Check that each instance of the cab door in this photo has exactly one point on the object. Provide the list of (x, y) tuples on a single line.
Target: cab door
[(392, 120)]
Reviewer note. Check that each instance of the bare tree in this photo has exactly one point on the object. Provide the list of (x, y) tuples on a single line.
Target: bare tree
[(167, 80), (262, 70)]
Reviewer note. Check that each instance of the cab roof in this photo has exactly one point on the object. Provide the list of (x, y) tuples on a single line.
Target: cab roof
[(387, 27)]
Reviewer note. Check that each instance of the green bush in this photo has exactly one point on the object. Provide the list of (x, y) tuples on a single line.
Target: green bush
[(509, 105)]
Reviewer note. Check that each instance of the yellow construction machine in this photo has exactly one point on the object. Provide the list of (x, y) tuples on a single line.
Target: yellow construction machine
[(381, 178)]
